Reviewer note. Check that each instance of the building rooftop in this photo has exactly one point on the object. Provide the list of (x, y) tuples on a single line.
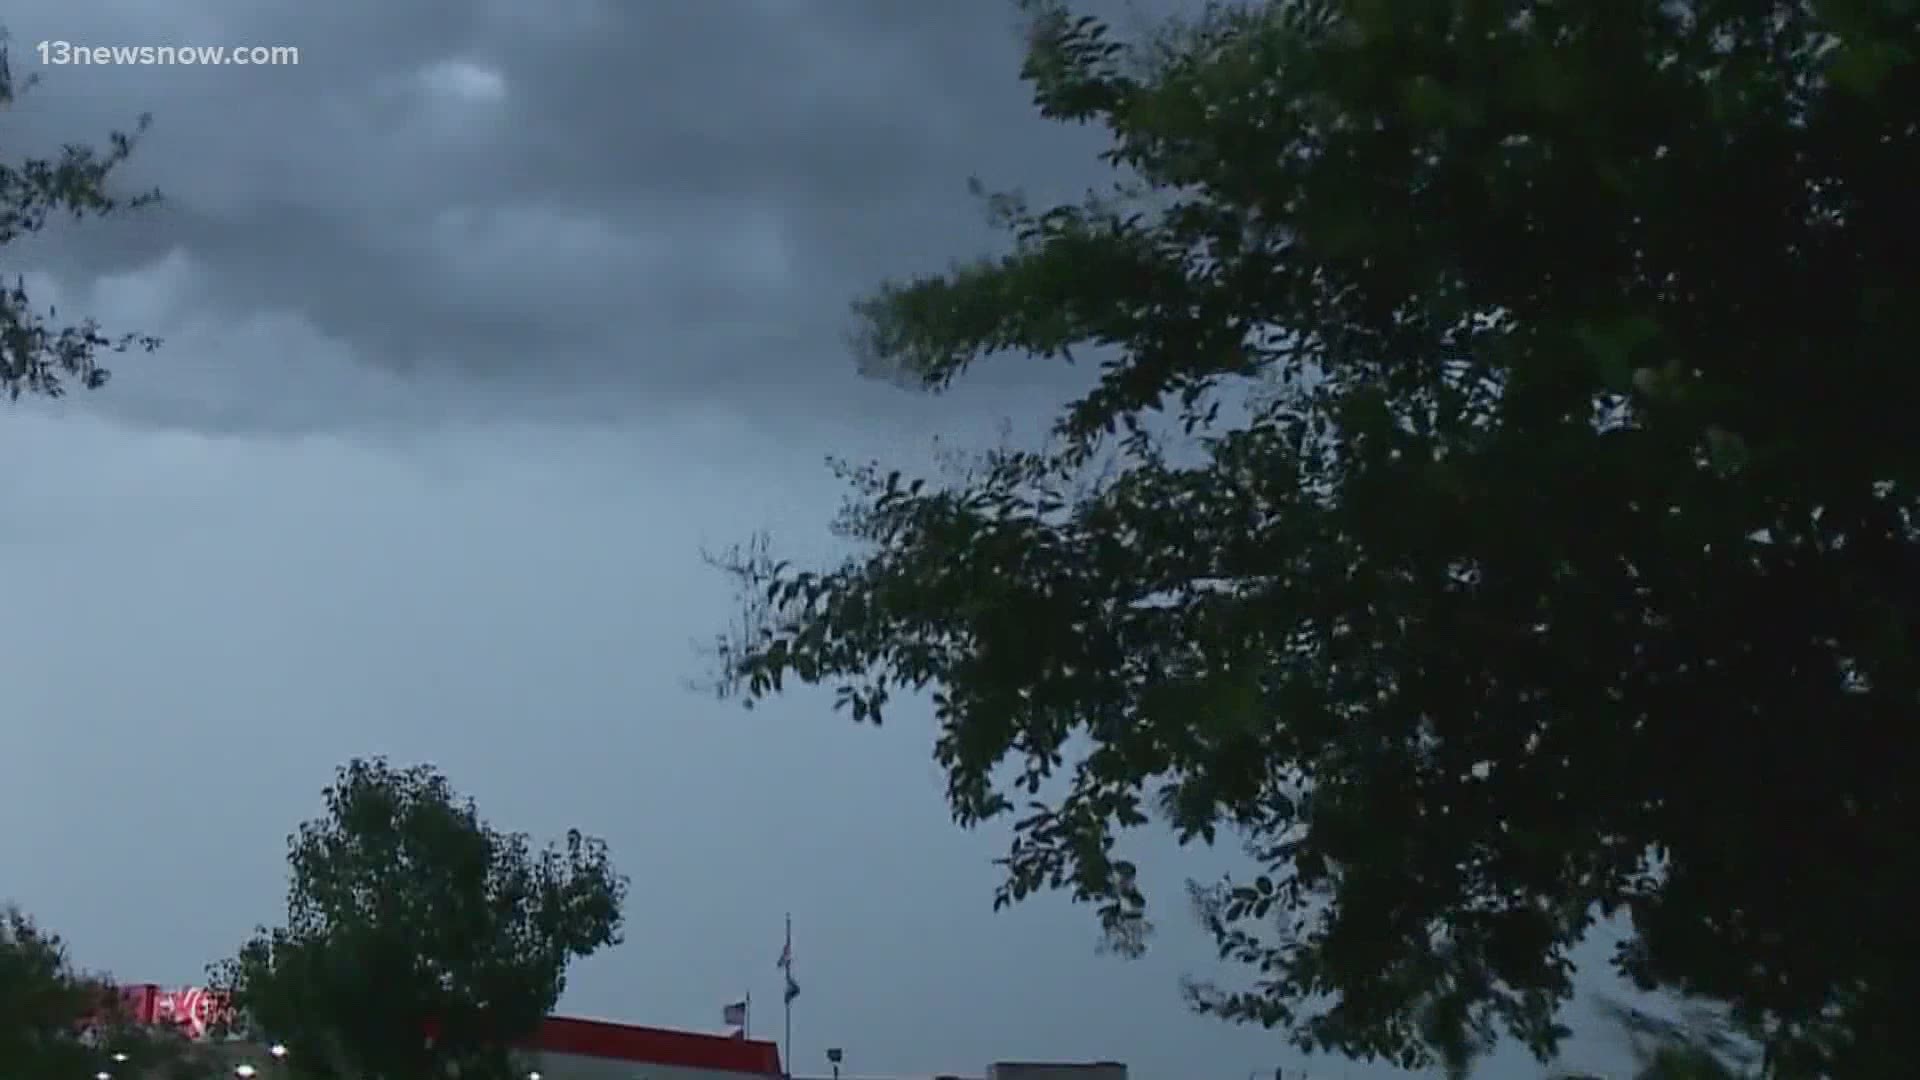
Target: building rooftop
[(194, 1010)]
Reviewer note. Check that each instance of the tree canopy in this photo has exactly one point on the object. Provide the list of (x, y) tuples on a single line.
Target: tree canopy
[(38, 354), (418, 937), (58, 1023), (1492, 505)]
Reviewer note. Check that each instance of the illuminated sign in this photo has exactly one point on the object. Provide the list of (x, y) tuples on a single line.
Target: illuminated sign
[(192, 1009)]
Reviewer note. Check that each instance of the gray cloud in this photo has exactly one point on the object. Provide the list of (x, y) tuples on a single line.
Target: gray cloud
[(650, 201)]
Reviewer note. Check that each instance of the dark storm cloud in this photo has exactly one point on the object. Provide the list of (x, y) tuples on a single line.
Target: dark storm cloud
[(634, 201)]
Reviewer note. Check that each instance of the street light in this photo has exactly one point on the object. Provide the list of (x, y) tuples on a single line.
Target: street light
[(277, 1050), (244, 1071)]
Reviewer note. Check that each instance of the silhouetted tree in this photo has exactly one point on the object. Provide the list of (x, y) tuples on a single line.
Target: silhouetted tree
[(38, 354), (417, 936), (1495, 505)]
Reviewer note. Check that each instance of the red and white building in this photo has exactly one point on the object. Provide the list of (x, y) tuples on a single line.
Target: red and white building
[(565, 1048)]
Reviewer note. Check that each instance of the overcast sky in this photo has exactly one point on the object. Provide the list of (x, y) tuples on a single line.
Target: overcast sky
[(481, 322)]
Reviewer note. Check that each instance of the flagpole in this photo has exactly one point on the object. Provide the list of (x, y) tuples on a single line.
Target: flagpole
[(786, 1053)]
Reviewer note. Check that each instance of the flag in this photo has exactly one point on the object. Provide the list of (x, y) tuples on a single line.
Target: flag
[(785, 963), (734, 1015)]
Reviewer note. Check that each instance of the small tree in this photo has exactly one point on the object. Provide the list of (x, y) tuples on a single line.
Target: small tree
[(57, 1023), (38, 355), (418, 938)]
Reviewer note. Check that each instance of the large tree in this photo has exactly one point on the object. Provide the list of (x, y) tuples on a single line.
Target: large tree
[(1493, 505), (418, 937), (38, 354), (60, 1023)]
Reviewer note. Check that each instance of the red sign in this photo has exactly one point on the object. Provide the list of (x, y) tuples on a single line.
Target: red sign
[(193, 1009)]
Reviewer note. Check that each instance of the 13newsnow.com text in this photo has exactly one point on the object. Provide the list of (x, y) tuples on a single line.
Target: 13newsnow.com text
[(67, 53)]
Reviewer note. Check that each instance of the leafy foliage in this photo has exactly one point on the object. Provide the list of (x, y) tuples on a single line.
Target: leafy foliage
[(1508, 514), (38, 355), (417, 936), (57, 1023)]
